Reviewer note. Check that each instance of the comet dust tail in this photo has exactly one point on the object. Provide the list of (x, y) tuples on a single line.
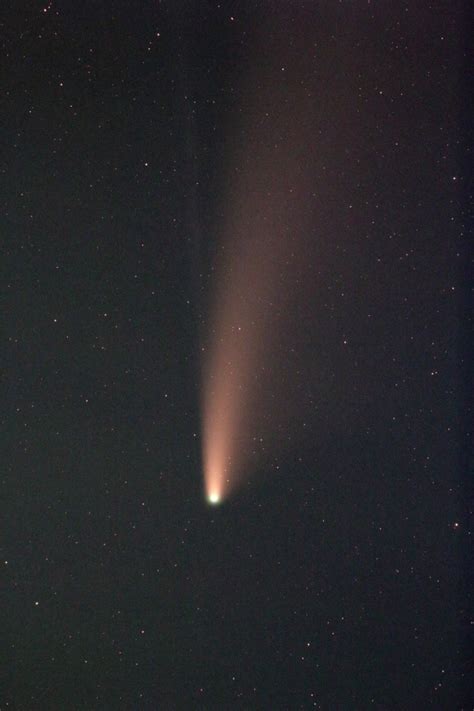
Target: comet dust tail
[(258, 273)]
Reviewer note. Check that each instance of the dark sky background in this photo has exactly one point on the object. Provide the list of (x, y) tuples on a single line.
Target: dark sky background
[(336, 578)]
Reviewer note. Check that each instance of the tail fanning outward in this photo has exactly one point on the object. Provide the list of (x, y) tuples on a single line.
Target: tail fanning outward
[(264, 224)]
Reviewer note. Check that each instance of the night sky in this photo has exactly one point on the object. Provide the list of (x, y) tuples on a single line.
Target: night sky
[(169, 168)]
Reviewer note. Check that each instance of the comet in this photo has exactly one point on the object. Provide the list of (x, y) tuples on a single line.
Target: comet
[(263, 218)]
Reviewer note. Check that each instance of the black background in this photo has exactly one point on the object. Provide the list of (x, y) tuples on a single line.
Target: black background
[(335, 581)]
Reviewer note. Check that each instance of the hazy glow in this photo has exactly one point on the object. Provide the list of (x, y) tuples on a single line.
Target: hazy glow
[(259, 262), (214, 498)]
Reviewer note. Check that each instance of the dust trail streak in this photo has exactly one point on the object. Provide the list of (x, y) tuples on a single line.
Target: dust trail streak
[(265, 216)]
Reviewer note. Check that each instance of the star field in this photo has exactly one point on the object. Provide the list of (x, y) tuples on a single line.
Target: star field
[(145, 148)]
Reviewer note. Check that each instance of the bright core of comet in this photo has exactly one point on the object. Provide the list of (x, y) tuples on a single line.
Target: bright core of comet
[(214, 498)]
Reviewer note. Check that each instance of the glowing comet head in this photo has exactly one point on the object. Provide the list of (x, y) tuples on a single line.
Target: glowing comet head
[(214, 498)]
